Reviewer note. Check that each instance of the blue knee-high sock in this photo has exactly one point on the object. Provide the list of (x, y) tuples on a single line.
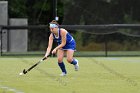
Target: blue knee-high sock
[(74, 62), (62, 67)]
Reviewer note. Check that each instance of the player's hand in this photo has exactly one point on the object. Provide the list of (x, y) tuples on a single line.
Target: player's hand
[(46, 55), (54, 51)]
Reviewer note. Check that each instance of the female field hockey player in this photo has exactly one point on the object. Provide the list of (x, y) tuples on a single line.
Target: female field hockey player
[(66, 44)]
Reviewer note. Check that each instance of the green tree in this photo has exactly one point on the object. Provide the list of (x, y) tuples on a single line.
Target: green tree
[(101, 12), (17, 8)]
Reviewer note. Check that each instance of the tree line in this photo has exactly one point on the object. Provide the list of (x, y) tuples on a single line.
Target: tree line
[(76, 12)]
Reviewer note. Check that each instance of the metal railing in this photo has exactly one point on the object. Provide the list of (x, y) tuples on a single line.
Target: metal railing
[(107, 27)]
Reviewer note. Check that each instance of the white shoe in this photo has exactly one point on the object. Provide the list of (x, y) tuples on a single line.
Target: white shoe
[(63, 74), (76, 66)]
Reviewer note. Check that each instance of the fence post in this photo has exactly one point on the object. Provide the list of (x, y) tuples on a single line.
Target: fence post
[(0, 41), (106, 49)]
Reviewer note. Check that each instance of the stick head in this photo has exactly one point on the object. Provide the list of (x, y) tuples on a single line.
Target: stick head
[(24, 71)]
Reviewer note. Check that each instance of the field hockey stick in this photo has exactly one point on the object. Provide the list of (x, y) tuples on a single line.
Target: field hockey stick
[(33, 66)]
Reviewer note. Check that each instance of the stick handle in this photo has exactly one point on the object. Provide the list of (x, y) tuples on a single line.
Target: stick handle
[(36, 64), (44, 58)]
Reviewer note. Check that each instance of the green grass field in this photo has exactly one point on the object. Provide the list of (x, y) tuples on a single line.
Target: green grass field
[(96, 75)]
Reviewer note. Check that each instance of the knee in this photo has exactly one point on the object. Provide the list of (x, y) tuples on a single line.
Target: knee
[(69, 60), (60, 60)]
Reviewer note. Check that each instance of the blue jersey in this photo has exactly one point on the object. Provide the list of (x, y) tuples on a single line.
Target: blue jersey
[(70, 42)]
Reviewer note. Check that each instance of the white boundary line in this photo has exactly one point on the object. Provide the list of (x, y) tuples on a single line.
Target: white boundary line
[(6, 88)]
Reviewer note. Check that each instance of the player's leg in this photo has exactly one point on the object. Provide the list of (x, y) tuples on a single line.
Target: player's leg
[(71, 60), (60, 55)]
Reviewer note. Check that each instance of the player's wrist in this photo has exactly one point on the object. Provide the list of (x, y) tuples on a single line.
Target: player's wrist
[(46, 55)]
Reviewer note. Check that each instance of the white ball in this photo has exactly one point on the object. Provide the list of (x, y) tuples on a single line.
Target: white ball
[(20, 73)]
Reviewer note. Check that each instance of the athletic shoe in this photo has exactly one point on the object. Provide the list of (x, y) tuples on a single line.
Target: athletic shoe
[(76, 66), (63, 74)]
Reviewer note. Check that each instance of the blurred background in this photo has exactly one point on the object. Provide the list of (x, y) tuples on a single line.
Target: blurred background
[(100, 27)]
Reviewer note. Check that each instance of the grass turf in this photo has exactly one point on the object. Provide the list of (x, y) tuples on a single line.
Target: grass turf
[(96, 75)]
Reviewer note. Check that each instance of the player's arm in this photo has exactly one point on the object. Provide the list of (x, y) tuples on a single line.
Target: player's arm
[(50, 43), (63, 42)]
